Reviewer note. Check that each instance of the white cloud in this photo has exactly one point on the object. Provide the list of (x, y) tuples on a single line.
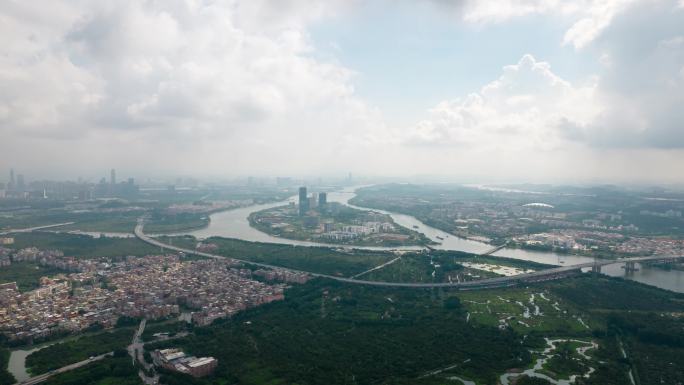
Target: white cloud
[(221, 75), (633, 102), (588, 18), (528, 107)]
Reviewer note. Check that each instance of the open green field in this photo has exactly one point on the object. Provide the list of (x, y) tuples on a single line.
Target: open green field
[(446, 266), (313, 259), (527, 310), (26, 274), (83, 245)]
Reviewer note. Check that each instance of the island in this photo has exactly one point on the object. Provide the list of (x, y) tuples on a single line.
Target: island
[(335, 223)]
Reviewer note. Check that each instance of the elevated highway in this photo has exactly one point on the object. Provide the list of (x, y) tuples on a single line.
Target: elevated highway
[(537, 276)]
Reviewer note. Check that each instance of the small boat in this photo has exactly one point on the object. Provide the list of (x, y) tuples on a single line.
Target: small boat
[(415, 227), (440, 238)]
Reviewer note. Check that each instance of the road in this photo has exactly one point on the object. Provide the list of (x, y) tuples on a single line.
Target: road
[(537, 276), (377, 267), (43, 377), (136, 351), (29, 229)]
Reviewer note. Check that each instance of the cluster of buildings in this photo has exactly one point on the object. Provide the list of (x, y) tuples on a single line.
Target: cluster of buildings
[(584, 240), (282, 275), (307, 203), (18, 188), (384, 230), (100, 290), (213, 288), (29, 254), (176, 360)]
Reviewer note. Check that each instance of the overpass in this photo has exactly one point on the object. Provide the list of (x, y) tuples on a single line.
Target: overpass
[(489, 283)]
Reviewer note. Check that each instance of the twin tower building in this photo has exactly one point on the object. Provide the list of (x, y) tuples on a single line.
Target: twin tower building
[(307, 203)]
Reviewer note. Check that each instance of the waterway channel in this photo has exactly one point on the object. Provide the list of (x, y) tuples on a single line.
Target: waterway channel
[(234, 224)]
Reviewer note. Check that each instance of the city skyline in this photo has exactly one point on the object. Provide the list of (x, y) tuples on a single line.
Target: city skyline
[(524, 91)]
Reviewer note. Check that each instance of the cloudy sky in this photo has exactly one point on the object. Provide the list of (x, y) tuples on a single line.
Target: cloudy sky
[(529, 90)]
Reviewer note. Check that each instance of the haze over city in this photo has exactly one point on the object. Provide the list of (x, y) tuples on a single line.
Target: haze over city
[(537, 90)]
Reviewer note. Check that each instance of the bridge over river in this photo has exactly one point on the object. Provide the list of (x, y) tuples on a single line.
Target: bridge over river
[(537, 276)]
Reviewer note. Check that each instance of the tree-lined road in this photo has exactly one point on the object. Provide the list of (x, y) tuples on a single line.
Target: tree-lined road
[(43, 377)]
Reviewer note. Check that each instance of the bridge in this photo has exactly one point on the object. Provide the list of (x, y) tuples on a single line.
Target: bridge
[(493, 250), (489, 283)]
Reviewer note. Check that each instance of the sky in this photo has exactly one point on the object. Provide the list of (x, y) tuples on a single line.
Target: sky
[(507, 90)]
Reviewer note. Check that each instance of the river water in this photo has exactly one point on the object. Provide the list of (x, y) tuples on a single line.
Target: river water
[(234, 224), (17, 360)]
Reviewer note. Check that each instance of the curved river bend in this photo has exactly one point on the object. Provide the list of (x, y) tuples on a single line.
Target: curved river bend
[(234, 224)]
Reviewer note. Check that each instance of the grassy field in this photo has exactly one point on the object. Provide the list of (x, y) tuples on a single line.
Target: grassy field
[(313, 259), (527, 310), (419, 267), (26, 274), (84, 245)]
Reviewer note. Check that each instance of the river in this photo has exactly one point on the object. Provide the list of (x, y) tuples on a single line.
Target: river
[(234, 224), (17, 360)]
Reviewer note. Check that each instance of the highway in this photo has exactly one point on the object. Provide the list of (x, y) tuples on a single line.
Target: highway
[(28, 230), (537, 276), (43, 377)]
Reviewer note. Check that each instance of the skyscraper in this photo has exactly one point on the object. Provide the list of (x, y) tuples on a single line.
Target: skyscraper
[(12, 182), (21, 186), (322, 199), (303, 201), (112, 177)]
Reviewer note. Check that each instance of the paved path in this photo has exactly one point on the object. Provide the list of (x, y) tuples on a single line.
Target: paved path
[(136, 351), (43, 377), (377, 267), (29, 229)]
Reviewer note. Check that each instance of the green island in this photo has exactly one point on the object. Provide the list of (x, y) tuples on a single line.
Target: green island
[(337, 224)]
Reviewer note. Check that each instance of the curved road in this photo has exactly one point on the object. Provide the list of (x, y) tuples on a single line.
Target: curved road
[(537, 276)]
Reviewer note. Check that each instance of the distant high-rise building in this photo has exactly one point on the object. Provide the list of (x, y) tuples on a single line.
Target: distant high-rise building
[(112, 177), (283, 181), (303, 201), (322, 199), (21, 185), (12, 181)]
